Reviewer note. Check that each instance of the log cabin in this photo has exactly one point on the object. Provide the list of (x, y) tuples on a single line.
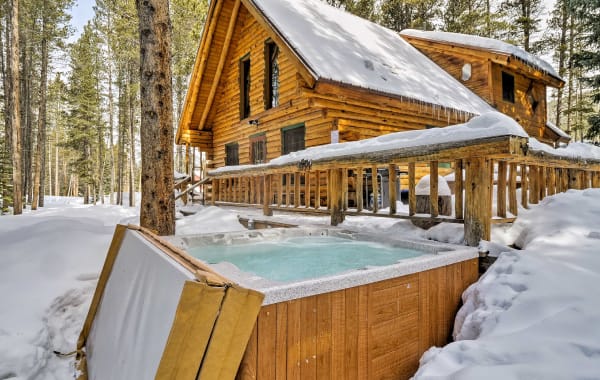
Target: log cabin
[(507, 77), (275, 76), (272, 77)]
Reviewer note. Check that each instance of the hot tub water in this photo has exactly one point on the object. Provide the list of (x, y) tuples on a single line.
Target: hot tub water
[(300, 258)]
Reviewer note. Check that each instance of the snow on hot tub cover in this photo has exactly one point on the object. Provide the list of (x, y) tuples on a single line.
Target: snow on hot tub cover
[(344, 48)]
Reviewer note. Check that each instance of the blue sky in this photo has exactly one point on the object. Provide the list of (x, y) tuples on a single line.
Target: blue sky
[(81, 12)]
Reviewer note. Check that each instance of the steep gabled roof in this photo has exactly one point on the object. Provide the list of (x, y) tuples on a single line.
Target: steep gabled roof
[(485, 44), (340, 47)]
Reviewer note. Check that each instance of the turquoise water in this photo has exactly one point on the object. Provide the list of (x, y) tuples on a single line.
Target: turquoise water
[(301, 258)]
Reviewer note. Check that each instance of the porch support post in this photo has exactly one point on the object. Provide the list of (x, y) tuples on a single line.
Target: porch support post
[(337, 197), (268, 195), (478, 210)]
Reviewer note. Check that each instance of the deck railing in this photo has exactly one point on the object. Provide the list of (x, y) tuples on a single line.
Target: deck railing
[(343, 186)]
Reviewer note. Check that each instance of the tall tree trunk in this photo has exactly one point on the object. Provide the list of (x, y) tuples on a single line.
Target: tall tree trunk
[(158, 202), (571, 76), (131, 107), (14, 106), (111, 135), (121, 153), (6, 173), (564, 15), (40, 151)]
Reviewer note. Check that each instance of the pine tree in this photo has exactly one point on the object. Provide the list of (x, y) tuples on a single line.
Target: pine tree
[(13, 105), (465, 16), (158, 202), (523, 21), (589, 57), (362, 8), (402, 14), (84, 112)]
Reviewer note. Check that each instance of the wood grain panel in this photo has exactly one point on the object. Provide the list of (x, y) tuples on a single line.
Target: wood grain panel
[(375, 331)]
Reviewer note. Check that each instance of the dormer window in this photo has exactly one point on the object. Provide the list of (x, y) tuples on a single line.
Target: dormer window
[(271, 95), (245, 87), (508, 87)]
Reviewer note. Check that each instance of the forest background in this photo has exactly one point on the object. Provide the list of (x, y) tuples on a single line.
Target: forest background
[(79, 104)]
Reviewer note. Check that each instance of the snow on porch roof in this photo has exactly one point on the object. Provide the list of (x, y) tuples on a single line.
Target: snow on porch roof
[(484, 43), (341, 47)]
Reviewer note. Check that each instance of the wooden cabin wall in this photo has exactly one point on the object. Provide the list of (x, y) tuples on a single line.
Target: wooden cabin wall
[(375, 331), (224, 117), (452, 60), (521, 110)]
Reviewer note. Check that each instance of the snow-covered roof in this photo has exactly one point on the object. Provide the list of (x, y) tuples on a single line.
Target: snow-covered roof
[(341, 47), (484, 43), (489, 125), (557, 130)]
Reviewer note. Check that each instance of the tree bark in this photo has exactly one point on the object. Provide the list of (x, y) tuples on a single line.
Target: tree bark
[(130, 96), (40, 151), (158, 202), (14, 106)]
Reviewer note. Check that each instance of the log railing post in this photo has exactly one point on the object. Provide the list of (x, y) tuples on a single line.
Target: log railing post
[(433, 189), (501, 193), (337, 207), (573, 178), (458, 189), (317, 189), (345, 188), (215, 191), (375, 182), (412, 196), (478, 213), (268, 195), (307, 184), (512, 190), (297, 181), (392, 188), (596, 180), (359, 189), (550, 181), (534, 190), (542, 182), (524, 186)]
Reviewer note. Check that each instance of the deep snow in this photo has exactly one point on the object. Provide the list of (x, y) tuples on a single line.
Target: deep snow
[(533, 315)]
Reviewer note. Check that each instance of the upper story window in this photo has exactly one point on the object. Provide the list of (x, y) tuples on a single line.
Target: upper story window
[(292, 139), (508, 87), (271, 75), (245, 87), (258, 149), (232, 154)]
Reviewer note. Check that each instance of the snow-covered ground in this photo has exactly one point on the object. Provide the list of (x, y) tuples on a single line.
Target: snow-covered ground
[(533, 315)]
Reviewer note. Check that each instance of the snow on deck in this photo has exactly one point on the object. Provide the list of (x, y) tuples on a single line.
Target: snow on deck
[(484, 43), (573, 151), (488, 125), (341, 47)]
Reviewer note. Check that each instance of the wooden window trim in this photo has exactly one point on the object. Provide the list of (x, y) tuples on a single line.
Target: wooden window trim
[(244, 71), (290, 128), (271, 91), (508, 94), (228, 159), (258, 138)]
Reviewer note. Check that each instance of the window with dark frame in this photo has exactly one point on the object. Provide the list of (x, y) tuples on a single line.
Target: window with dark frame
[(508, 87), (232, 155), (258, 149), (271, 95), (292, 139), (245, 87)]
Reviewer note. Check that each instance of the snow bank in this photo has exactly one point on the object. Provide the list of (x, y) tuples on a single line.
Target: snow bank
[(209, 220), (341, 47), (484, 43), (488, 125), (49, 265), (422, 187), (534, 314)]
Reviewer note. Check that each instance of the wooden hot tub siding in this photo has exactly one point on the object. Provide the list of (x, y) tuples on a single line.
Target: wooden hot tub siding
[(374, 331)]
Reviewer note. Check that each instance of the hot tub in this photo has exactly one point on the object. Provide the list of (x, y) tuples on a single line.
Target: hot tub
[(363, 313)]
